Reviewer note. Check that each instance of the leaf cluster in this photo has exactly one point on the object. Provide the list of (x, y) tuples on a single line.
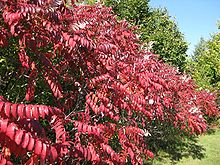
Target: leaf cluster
[(159, 33), (99, 88), (205, 64)]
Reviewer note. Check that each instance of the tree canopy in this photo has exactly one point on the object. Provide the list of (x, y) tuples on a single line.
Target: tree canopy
[(205, 67), (157, 30)]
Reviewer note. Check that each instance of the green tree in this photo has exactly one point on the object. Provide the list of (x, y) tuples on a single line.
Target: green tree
[(169, 42), (134, 11), (157, 30), (205, 64), (199, 48)]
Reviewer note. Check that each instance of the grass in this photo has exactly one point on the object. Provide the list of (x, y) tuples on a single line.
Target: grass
[(211, 144)]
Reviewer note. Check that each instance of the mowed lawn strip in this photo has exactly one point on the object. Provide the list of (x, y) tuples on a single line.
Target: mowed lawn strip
[(212, 154)]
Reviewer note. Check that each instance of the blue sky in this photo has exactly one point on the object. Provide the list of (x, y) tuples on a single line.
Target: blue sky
[(195, 18)]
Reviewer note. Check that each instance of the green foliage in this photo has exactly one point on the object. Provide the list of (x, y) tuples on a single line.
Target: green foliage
[(205, 65), (168, 40), (199, 49), (134, 11), (9, 72), (13, 79), (157, 30)]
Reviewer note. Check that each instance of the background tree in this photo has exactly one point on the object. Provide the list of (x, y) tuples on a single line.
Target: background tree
[(157, 30), (199, 49), (205, 67)]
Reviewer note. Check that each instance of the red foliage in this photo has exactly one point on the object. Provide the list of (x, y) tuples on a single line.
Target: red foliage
[(115, 87)]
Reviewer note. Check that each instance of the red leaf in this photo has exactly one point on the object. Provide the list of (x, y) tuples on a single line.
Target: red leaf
[(24, 59), (7, 109), (35, 112), (25, 140), (31, 85), (3, 126), (38, 147), (150, 154), (32, 160), (44, 152), (72, 43), (20, 110), (1, 106), (3, 161), (14, 110), (54, 85), (53, 153), (10, 132), (28, 111), (18, 137), (30, 144)]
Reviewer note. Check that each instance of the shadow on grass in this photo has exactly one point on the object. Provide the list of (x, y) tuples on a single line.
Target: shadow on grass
[(170, 145)]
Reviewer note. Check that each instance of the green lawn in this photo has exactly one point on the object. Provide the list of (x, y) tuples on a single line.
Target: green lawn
[(212, 145)]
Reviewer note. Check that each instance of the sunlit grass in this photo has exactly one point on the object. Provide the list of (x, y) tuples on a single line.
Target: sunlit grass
[(211, 144), (212, 154)]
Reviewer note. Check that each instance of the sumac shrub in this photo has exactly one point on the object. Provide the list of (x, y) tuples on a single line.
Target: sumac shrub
[(105, 90)]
